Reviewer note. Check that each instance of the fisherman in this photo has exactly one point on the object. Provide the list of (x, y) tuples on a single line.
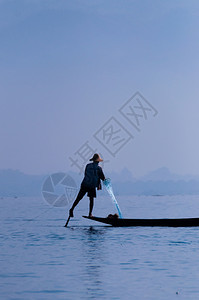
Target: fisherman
[(92, 180)]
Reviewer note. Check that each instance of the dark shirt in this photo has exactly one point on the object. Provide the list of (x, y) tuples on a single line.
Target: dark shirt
[(93, 175)]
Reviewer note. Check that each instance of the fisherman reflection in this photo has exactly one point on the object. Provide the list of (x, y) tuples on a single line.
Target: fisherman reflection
[(93, 257)]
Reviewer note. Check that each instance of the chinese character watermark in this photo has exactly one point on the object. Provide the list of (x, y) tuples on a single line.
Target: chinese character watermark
[(82, 155), (137, 109), (113, 136)]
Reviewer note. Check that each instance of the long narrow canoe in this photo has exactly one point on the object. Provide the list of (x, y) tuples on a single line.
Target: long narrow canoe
[(116, 222)]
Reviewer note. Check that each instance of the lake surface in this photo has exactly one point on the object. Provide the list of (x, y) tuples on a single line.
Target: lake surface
[(41, 259)]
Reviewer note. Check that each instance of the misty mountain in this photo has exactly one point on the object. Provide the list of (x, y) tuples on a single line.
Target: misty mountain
[(158, 182), (122, 176), (15, 183), (157, 188), (164, 174)]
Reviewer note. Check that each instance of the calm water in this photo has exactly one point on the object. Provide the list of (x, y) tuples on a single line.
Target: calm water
[(40, 259)]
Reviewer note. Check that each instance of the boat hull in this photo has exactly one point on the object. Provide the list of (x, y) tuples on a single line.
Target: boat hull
[(184, 222)]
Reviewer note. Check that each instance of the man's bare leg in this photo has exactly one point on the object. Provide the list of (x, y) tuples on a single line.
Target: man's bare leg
[(91, 206)]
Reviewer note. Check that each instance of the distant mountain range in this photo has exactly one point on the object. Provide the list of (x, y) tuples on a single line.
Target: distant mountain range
[(164, 174), (14, 183)]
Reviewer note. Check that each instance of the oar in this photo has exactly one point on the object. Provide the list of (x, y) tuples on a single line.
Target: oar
[(67, 221)]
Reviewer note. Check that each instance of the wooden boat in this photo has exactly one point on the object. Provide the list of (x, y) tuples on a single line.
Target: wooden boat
[(117, 222)]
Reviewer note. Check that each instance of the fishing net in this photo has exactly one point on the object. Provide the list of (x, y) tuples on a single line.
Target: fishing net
[(108, 186)]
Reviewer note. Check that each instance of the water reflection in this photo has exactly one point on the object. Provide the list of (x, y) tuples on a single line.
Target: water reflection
[(94, 259)]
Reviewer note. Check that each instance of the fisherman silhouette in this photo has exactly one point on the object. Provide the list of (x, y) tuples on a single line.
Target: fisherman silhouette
[(92, 180)]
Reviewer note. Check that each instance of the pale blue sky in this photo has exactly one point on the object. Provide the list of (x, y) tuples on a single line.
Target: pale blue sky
[(68, 66)]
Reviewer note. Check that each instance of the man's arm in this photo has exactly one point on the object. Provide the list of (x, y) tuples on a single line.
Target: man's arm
[(101, 174)]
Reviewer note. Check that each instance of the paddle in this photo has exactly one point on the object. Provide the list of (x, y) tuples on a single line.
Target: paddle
[(67, 221)]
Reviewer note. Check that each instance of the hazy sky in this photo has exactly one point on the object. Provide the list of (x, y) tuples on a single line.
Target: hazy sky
[(67, 67)]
